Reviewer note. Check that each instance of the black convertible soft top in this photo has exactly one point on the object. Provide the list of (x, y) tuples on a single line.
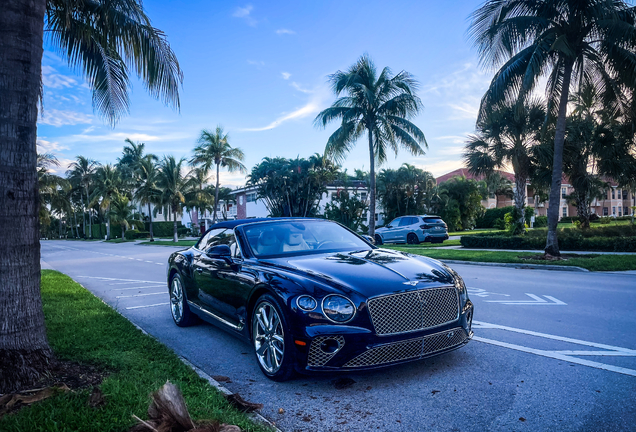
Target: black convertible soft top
[(237, 222)]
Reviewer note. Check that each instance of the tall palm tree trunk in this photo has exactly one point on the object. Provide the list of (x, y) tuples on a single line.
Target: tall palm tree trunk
[(552, 242), (371, 186), (150, 227), (216, 194), (24, 349), (83, 216), (108, 222), (520, 197), (88, 208)]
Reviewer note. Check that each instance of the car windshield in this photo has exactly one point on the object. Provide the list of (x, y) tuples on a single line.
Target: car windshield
[(298, 237)]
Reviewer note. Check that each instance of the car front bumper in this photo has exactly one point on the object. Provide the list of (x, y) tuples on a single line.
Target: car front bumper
[(346, 348)]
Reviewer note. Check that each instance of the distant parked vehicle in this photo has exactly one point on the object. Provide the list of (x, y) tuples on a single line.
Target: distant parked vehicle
[(413, 230)]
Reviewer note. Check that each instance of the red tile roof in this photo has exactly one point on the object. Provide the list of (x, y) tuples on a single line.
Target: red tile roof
[(463, 172)]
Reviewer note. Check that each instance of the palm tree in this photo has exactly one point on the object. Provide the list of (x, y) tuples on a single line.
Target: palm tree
[(108, 185), (106, 41), (381, 105), (198, 195), (121, 212), (213, 149), (505, 136), (82, 171), (48, 186), (173, 185), (147, 191), (567, 40)]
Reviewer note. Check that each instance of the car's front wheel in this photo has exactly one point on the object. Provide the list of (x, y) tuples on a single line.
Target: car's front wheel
[(378, 240), (181, 313), (272, 340)]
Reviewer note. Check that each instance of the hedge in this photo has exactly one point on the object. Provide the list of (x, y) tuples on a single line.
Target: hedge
[(135, 234), (567, 241), (164, 229), (115, 231), (491, 215), (540, 222)]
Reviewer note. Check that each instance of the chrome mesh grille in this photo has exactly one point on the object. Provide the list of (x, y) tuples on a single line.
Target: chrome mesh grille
[(410, 349), (317, 357), (414, 310)]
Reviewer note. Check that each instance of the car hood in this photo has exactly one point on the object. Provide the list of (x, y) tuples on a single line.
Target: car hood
[(370, 273)]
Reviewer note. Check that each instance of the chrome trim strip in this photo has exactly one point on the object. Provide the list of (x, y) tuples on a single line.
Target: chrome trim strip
[(224, 321)]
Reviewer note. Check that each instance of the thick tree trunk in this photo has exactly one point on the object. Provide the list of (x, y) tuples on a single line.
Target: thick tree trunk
[(150, 216), (371, 186), (552, 242), (24, 349), (175, 237), (216, 194), (108, 222), (520, 198), (583, 209)]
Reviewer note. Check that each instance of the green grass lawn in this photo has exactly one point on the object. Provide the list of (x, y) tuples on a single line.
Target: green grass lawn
[(595, 224), (590, 262), (81, 328), (186, 243)]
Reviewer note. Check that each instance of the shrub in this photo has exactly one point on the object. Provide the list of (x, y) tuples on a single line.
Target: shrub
[(594, 217), (499, 224), (163, 229), (605, 220), (99, 230), (182, 231), (540, 222), (528, 212), (136, 234), (491, 215), (568, 219)]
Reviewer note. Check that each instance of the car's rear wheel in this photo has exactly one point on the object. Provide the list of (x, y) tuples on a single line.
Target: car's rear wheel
[(412, 239), (272, 340), (181, 313), (378, 240)]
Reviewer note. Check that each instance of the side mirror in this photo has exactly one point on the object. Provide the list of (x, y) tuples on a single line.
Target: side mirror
[(389, 226), (219, 251), (369, 239)]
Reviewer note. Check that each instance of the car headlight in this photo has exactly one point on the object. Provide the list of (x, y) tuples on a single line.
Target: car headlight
[(338, 308), (306, 303), (460, 285)]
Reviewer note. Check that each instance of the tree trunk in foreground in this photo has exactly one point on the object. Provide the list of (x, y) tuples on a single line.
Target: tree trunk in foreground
[(552, 242), (88, 208), (371, 187), (216, 194), (520, 198), (24, 349), (150, 216)]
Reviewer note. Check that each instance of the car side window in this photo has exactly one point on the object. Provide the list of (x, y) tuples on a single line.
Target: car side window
[(226, 237), (406, 221), (395, 222), (203, 242)]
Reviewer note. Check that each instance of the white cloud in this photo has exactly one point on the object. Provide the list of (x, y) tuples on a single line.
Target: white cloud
[(285, 31), (258, 63), (245, 13), (300, 89), (52, 79), (58, 118), (314, 105), (49, 147), (285, 75)]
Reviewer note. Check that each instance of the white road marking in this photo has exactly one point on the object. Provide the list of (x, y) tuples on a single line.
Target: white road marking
[(564, 355), (151, 262), (537, 301), (480, 292), (139, 287), (147, 306), (482, 324), (159, 263), (142, 295), (117, 279), (555, 355)]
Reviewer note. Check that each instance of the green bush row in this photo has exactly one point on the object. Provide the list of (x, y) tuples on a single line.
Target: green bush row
[(165, 229), (136, 234), (574, 243), (540, 222), (99, 230), (491, 215)]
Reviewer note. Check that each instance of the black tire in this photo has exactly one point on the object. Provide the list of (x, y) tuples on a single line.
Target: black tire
[(179, 309), (411, 238), (378, 240), (286, 369)]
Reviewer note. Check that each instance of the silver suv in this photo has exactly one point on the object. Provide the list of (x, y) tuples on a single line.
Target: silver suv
[(413, 230)]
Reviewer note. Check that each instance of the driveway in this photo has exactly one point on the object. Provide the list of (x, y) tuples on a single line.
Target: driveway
[(552, 350)]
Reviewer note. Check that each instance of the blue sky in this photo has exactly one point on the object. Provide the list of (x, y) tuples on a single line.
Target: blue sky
[(260, 70)]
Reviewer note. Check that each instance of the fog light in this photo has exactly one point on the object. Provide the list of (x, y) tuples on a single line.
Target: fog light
[(330, 346), (306, 303)]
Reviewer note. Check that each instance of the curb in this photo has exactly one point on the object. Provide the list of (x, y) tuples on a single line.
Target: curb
[(519, 266)]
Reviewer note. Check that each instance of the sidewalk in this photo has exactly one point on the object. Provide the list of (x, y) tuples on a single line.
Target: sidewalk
[(533, 251)]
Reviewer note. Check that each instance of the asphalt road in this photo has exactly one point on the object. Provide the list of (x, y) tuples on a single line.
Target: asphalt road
[(552, 351)]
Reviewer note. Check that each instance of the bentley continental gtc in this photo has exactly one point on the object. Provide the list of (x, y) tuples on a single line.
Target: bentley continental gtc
[(311, 296)]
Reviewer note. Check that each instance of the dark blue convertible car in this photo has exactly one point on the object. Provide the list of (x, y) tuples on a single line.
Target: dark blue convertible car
[(310, 295)]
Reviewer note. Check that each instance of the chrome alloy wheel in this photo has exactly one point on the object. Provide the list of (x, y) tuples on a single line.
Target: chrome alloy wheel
[(269, 338), (176, 299)]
